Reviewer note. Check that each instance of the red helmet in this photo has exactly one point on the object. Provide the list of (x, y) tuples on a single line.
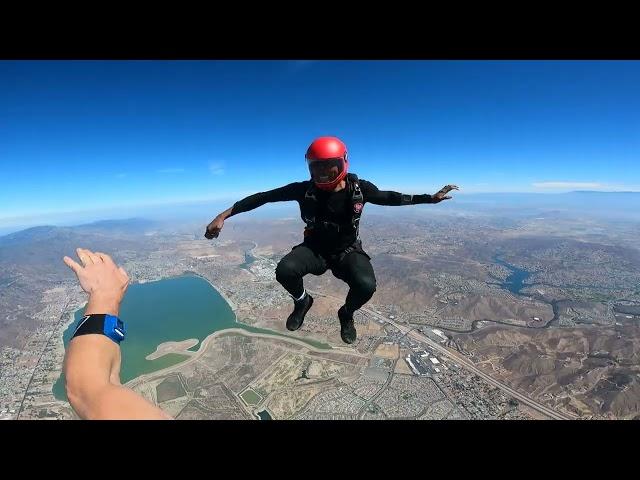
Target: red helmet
[(327, 161)]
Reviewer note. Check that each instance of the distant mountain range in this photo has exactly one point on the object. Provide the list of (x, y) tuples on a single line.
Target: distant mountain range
[(37, 252), (126, 226)]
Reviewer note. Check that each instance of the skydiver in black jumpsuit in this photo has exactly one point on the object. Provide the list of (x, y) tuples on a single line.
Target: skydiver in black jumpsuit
[(330, 205)]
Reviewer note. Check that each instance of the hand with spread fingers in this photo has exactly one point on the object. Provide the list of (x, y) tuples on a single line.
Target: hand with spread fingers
[(442, 193), (101, 278)]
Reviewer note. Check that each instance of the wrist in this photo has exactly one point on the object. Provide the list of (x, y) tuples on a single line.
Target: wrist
[(101, 323), (102, 303)]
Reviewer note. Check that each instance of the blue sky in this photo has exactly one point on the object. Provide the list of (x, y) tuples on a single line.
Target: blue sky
[(90, 135)]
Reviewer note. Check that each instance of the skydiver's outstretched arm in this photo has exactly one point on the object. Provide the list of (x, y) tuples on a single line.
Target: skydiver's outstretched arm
[(92, 361), (371, 194), (293, 191)]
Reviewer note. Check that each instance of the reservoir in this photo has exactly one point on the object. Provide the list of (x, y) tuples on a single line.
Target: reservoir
[(172, 309), (515, 280)]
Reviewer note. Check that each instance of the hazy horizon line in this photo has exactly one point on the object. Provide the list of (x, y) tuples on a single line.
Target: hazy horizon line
[(14, 223)]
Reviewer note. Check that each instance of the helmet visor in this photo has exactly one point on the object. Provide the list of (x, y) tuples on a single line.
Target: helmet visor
[(325, 171)]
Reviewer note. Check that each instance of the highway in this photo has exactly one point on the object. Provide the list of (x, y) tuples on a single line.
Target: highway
[(409, 331)]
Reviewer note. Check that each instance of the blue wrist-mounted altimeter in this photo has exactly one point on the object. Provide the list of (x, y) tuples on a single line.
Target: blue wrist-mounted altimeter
[(100, 323)]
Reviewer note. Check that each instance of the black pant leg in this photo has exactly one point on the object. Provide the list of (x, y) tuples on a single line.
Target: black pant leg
[(300, 261), (356, 269)]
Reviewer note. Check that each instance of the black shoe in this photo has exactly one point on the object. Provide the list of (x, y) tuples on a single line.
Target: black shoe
[(347, 329), (300, 309)]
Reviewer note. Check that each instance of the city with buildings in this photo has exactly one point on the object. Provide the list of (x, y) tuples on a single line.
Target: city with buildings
[(427, 344)]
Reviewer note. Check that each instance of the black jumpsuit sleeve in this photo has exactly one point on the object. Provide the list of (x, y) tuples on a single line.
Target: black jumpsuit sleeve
[(371, 194), (293, 191)]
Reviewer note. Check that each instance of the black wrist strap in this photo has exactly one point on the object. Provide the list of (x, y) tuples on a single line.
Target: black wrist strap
[(90, 324), (102, 324)]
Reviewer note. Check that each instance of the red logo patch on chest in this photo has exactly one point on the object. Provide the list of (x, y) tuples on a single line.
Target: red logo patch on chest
[(357, 207)]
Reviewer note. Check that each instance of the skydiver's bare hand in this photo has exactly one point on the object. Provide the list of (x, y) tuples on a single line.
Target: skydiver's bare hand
[(99, 276), (214, 228), (442, 193)]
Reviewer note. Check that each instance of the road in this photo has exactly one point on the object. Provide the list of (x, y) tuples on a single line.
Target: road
[(409, 331), (549, 412), (53, 332)]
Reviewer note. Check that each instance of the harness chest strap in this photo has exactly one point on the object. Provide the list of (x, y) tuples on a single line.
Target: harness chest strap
[(311, 202)]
